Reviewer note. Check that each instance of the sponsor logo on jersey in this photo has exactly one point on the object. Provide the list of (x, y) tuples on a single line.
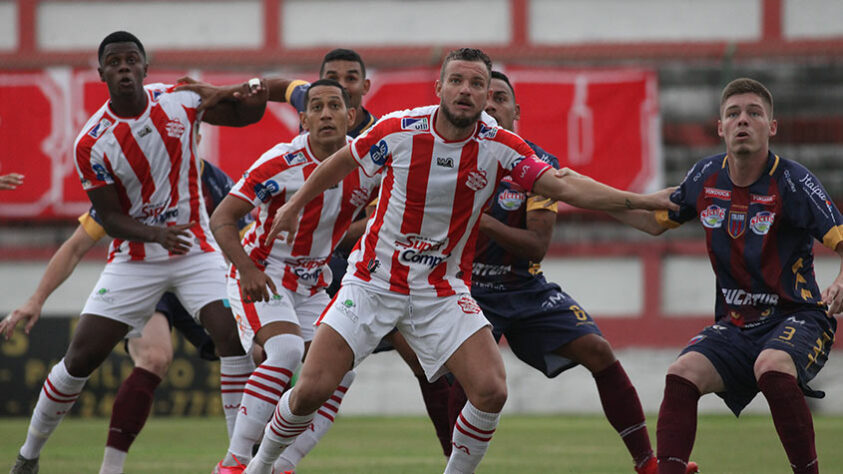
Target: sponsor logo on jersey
[(421, 250), (812, 188), (157, 213), (347, 308), (379, 153), (307, 269), (445, 161), (100, 127), (295, 158), (696, 339), (468, 305), (762, 199), (175, 128), (555, 300), (264, 191), (737, 223), (713, 216), (419, 124), (101, 173), (699, 173), (486, 270), (476, 180), (372, 265), (739, 297), (511, 200), (144, 132), (487, 132), (761, 222), (723, 194), (156, 94)]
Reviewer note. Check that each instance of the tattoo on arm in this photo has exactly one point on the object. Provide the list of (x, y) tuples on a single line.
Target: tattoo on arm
[(224, 224), (628, 203)]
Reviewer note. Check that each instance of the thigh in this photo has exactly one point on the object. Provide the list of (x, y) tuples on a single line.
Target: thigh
[(92, 342), (436, 326), (251, 317), (153, 351), (127, 292)]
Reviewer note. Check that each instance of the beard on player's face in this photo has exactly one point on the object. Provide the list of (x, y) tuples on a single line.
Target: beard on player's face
[(457, 121)]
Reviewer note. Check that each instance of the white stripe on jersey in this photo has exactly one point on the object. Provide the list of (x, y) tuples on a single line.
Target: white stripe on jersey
[(151, 161), (421, 239), (268, 184)]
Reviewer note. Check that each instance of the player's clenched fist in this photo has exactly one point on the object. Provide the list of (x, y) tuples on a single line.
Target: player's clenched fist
[(175, 238)]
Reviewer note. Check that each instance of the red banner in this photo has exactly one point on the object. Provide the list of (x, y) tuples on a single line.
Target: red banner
[(602, 123)]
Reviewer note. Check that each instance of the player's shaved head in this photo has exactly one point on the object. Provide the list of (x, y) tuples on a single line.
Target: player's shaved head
[(119, 37)]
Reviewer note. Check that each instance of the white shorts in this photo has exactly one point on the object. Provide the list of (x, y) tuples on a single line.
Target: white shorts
[(128, 291), (286, 306), (434, 326)]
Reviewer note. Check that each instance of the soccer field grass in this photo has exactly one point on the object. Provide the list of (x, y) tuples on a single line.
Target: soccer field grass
[(522, 444)]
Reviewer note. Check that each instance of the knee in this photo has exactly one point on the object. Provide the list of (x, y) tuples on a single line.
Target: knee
[(491, 396), (308, 397), (80, 364), (597, 354), (773, 360), (155, 361)]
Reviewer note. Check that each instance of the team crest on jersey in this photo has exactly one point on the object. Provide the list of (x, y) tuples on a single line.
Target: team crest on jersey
[(99, 128), (737, 223), (359, 197), (761, 222), (295, 158), (175, 128), (264, 191), (510, 200), (713, 216), (419, 124), (723, 194), (487, 132), (476, 180), (468, 305), (379, 152)]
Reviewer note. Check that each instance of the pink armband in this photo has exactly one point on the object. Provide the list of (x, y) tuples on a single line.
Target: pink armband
[(528, 170)]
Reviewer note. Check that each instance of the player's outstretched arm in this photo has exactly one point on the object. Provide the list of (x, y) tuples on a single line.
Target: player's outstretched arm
[(242, 111), (328, 173), (253, 282), (587, 193), (212, 95), (644, 221), (11, 180), (118, 225), (61, 265), (833, 295)]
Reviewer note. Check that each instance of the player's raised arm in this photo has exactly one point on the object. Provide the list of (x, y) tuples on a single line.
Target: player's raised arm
[(212, 95), (587, 193), (328, 173), (240, 111), (119, 225), (253, 282)]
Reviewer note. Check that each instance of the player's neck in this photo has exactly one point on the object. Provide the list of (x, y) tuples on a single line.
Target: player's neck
[(745, 169), (129, 106), (322, 150), (450, 132), (358, 118)]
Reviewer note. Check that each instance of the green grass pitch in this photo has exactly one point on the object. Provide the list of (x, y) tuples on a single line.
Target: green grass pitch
[(522, 444)]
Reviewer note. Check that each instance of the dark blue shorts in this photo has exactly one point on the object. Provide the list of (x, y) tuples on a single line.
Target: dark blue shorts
[(807, 336), (537, 320)]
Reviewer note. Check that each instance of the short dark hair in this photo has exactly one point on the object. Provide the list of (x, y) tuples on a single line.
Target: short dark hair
[(504, 78), (332, 83), (119, 37), (466, 54), (745, 85), (341, 54)]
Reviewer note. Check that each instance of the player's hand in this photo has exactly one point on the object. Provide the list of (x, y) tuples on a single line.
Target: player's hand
[(254, 284), (11, 180), (833, 297), (284, 225), (29, 312), (175, 238), (211, 95), (658, 200)]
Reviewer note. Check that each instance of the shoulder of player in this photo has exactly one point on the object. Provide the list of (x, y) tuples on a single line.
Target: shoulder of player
[(542, 154), (417, 120), (706, 167), (283, 156), (94, 129), (793, 176)]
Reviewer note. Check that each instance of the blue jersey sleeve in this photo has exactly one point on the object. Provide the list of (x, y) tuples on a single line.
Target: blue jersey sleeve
[(295, 94), (807, 206), (217, 184)]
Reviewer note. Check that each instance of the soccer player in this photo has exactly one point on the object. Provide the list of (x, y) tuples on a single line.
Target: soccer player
[(412, 267), (136, 159), (280, 317), (545, 327), (773, 327), (152, 352), (347, 67), (10, 181)]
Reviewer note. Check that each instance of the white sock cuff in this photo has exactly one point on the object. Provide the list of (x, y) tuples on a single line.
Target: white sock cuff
[(284, 411), (237, 365), (60, 375), (481, 419)]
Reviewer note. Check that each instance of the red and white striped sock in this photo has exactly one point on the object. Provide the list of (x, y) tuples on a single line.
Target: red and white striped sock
[(263, 390), (58, 395), (234, 372), (472, 434), (281, 432), (322, 422)]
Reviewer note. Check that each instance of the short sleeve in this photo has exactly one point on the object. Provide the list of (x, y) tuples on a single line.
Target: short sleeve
[(261, 182), (809, 207), (372, 150), (91, 165), (294, 95)]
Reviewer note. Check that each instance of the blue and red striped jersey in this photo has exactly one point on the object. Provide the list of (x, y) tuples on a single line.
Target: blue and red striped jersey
[(759, 237)]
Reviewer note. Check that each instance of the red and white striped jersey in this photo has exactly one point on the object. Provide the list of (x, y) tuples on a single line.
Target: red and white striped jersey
[(422, 236), (268, 184), (151, 161)]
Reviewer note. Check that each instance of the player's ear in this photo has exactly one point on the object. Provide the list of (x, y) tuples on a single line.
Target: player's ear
[(366, 85), (352, 114), (774, 126), (437, 88), (303, 121), (517, 112), (719, 128), (99, 70)]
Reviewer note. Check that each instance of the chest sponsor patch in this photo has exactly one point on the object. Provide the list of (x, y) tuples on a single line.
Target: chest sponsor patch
[(713, 216), (419, 124), (723, 194), (761, 222), (295, 158), (511, 200), (100, 127)]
